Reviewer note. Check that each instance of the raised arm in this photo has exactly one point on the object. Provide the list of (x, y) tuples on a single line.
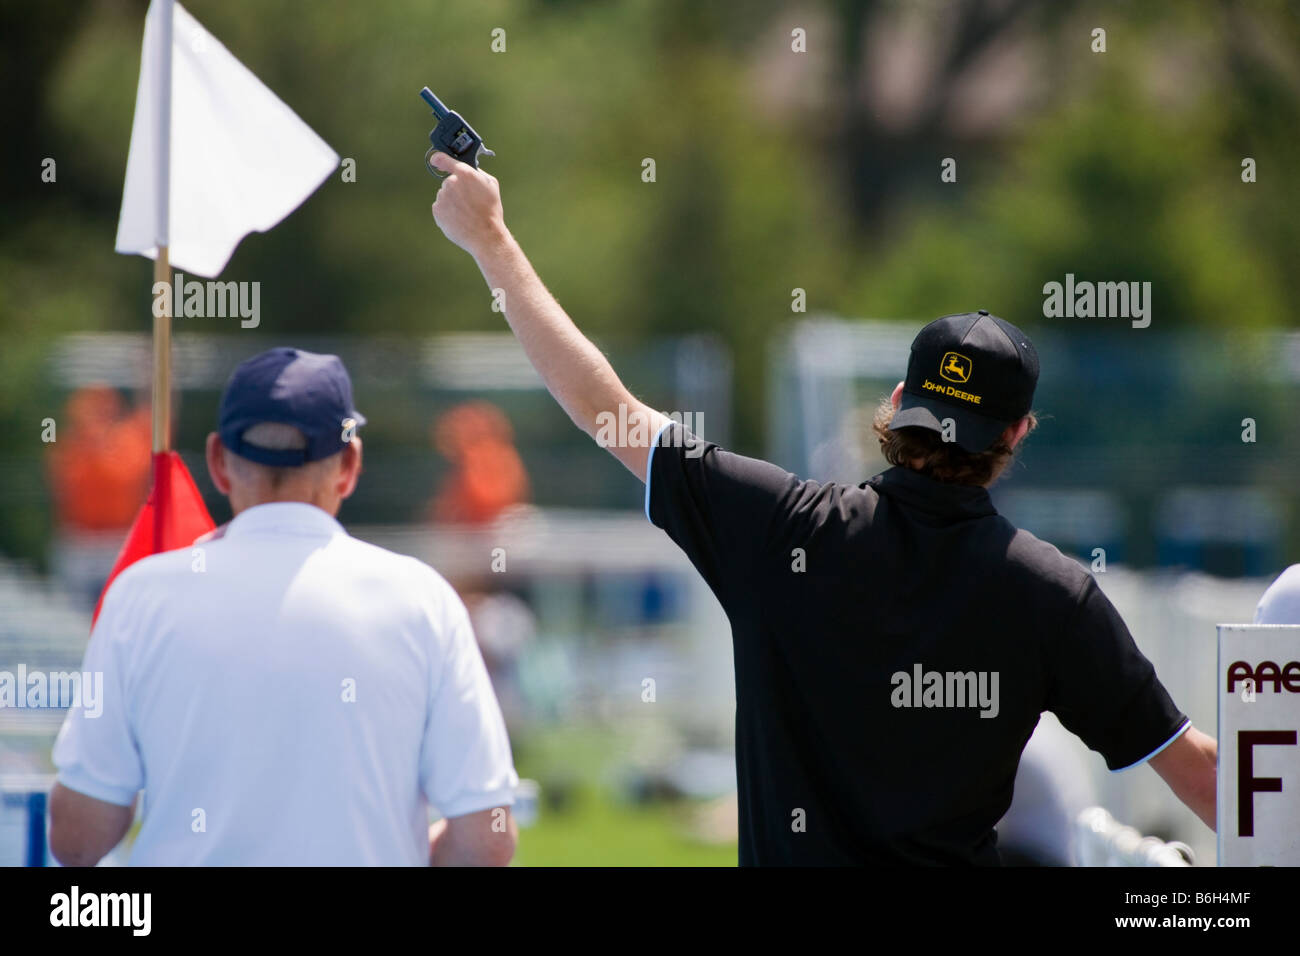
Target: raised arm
[(468, 210)]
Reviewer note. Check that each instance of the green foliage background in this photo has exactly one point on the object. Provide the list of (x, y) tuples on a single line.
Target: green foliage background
[(775, 170)]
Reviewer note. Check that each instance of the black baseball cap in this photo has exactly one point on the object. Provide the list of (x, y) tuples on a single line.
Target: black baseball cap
[(974, 368), (289, 386)]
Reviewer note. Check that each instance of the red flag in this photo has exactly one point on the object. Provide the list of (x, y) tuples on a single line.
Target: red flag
[(184, 518)]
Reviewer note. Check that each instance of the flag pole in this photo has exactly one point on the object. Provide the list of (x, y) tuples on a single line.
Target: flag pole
[(162, 360), (162, 319)]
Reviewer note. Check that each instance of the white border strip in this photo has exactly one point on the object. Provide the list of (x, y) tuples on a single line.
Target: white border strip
[(1177, 733), (650, 465)]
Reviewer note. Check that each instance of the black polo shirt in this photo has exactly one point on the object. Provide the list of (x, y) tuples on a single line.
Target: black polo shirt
[(895, 643)]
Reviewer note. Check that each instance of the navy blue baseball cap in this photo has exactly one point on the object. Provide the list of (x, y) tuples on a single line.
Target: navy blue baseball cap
[(307, 390), (974, 368)]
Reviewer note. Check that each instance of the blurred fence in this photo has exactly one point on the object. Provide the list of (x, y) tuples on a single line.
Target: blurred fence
[(1104, 841)]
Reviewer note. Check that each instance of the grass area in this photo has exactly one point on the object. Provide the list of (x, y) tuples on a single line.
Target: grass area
[(598, 831), (596, 824)]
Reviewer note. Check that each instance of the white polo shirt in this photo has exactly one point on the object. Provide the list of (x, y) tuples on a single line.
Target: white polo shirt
[(287, 695)]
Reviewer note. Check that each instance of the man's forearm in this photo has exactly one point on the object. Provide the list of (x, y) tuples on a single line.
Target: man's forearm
[(1189, 767), (473, 840), (1205, 800), (82, 829), (574, 370), (576, 373)]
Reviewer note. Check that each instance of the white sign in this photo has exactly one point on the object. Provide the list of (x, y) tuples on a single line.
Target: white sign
[(1259, 745)]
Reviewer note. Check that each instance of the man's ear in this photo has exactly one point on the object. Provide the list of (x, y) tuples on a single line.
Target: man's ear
[(897, 398), (216, 454), (1015, 432), (350, 467)]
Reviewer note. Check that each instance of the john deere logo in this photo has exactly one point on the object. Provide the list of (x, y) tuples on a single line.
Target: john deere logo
[(955, 368)]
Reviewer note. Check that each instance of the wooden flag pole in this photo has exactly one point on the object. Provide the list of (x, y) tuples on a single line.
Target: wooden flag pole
[(161, 407), (162, 359)]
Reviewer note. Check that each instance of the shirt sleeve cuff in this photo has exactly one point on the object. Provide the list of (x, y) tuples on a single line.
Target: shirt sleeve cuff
[(1137, 763), (476, 802), (649, 466), (84, 784)]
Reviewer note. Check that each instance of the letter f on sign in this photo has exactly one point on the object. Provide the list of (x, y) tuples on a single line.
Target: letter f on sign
[(1247, 783)]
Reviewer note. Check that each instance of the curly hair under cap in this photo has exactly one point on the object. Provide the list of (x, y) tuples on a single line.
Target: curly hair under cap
[(925, 451)]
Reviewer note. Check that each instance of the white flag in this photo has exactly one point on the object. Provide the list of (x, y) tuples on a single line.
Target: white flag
[(240, 159)]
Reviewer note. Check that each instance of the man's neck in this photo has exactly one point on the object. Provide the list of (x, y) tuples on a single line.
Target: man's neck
[(916, 466), (236, 507)]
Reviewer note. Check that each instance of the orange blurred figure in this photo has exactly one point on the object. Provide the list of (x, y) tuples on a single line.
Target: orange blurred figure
[(99, 461), (488, 475)]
